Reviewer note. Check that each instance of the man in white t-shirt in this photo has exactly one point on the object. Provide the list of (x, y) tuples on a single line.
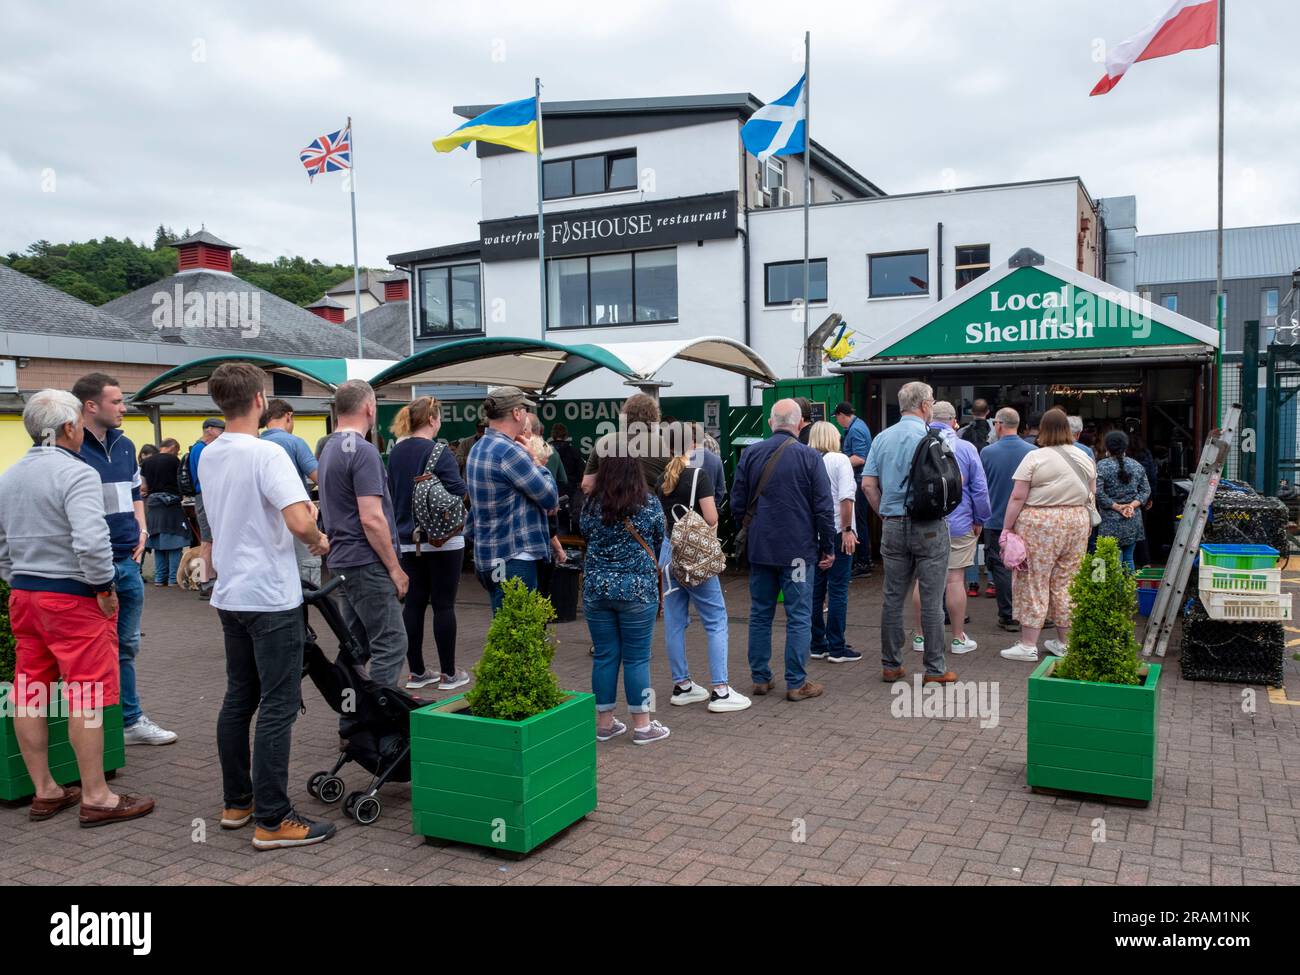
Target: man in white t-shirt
[(256, 505)]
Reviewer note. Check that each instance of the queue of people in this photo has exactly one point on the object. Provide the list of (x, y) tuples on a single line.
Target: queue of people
[(646, 501)]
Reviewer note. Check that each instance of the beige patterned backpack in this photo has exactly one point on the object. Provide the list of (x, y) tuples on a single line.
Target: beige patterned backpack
[(697, 553)]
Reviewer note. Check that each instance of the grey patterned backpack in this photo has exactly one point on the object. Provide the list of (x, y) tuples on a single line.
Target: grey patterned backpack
[(438, 513)]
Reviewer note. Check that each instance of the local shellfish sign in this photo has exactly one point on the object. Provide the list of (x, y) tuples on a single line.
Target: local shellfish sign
[(1031, 310)]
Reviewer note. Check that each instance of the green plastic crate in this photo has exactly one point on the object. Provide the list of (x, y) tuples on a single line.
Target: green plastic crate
[(1239, 556)]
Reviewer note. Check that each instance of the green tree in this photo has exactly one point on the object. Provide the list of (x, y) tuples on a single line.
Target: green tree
[(1103, 647), (513, 678)]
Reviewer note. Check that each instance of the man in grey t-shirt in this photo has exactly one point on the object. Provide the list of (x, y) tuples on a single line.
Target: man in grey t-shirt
[(358, 515)]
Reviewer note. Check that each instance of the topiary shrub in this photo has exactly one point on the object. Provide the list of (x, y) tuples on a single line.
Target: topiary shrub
[(1103, 647), (8, 646), (513, 679)]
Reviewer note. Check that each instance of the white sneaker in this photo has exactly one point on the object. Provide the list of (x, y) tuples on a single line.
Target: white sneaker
[(1018, 651), (1055, 647), (918, 643), (450, 682), (962, 646), (145, 732), (734, 701), (689, 695)]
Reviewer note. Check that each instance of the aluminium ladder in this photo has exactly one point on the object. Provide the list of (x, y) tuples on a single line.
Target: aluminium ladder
[(1187, 540)]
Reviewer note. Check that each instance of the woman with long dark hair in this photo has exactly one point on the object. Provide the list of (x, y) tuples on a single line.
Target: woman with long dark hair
[(432, 565), (1122, 490), (623, 523)]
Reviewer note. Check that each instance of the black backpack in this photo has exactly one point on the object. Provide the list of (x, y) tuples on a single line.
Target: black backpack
[(184, 480), (934, 484), (977, 432)]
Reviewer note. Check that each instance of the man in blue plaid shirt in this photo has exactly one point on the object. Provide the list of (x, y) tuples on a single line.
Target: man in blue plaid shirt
[(510, 495)]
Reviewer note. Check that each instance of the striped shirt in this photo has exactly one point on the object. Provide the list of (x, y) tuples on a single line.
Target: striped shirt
[(509, 497)]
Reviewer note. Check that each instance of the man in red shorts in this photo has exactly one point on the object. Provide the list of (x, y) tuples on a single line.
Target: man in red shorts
[(56, 556)]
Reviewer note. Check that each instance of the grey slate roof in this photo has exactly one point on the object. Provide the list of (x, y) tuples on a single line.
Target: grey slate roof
[(1248, 252), (326, 302), (204, 237), (282, 328), (389, 325), (469, 248), (370, 281), (31, 306)]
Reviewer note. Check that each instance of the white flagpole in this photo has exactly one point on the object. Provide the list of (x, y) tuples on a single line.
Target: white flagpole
[(541, 227), (356, 265), (1218, 270), (807, 185)]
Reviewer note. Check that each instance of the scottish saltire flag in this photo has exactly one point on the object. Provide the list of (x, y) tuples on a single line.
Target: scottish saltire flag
[(777, 129), (513, 124), (328, 153)]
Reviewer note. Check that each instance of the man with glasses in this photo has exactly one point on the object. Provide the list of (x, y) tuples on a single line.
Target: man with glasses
[(1000, 459)]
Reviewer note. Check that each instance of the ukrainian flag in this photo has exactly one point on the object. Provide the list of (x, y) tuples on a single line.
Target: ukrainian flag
[(513, 124)]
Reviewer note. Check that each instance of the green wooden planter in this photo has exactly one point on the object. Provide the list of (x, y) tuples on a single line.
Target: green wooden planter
[(509, 785), (14, 780), (1098, 739)]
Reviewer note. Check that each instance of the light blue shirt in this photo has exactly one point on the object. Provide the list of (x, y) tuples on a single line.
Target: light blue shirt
[(890, 460), (303, 459)]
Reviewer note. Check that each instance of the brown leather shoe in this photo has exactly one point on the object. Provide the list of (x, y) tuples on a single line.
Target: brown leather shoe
[(234, 818), (889, 675), (46, 808), (128, 807), (810, 689), (761, 689), (947, 677)]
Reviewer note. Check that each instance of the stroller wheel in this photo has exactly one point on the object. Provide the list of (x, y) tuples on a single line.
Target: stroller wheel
[(366, 810), (330, 789), (350, 802), (313, 784)]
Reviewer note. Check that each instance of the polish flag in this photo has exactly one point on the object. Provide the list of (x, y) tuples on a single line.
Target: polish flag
[(1187, 26)]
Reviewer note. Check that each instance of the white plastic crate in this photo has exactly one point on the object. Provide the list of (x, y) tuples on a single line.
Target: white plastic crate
[(1258, 582), (1242, 607)]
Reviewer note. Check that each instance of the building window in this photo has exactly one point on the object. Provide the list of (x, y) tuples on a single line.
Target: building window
[(588, 175), (450, 300), (773, 173), (612, 289), (1169, 301), (970, 262), (783, 281), (1269, 302), (897, 275)]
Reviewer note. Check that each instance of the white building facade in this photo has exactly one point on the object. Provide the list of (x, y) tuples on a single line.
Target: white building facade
[(660, 226)]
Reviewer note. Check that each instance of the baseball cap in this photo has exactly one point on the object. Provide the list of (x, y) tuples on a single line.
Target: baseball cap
[(845, 408), (503, 399)]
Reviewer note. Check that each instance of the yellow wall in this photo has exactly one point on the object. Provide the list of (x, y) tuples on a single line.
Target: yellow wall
[(187, 429)]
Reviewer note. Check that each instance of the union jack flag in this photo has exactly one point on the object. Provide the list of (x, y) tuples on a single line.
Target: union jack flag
[(328, 153)]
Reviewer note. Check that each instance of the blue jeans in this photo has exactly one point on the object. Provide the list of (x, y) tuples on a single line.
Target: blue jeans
[(523, 569), (831, 587), (263, 677), (709, 606), (765, 581), (166, 563), (130, 607), (622, 632), (1126, 556)]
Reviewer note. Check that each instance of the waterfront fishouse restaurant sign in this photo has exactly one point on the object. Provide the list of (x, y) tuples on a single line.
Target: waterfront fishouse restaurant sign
[(617, 228), (1037, 307)]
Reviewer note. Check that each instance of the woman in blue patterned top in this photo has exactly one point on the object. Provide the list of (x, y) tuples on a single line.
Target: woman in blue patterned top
[(1122, 489), (620, 593)]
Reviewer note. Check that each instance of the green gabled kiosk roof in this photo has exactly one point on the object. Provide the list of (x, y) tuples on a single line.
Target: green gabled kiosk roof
[(330, 373), (1031, 309)]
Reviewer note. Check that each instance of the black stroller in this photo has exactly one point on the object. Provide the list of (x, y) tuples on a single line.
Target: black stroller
[(374, 721)]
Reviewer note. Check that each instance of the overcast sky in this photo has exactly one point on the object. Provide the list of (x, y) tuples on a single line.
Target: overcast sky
[(122, 116)]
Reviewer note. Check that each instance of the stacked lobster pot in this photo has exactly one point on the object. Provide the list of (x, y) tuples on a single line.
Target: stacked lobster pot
[(1233, 627)]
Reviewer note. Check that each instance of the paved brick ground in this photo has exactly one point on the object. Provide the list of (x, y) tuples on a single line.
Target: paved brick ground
[(882, 799)]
